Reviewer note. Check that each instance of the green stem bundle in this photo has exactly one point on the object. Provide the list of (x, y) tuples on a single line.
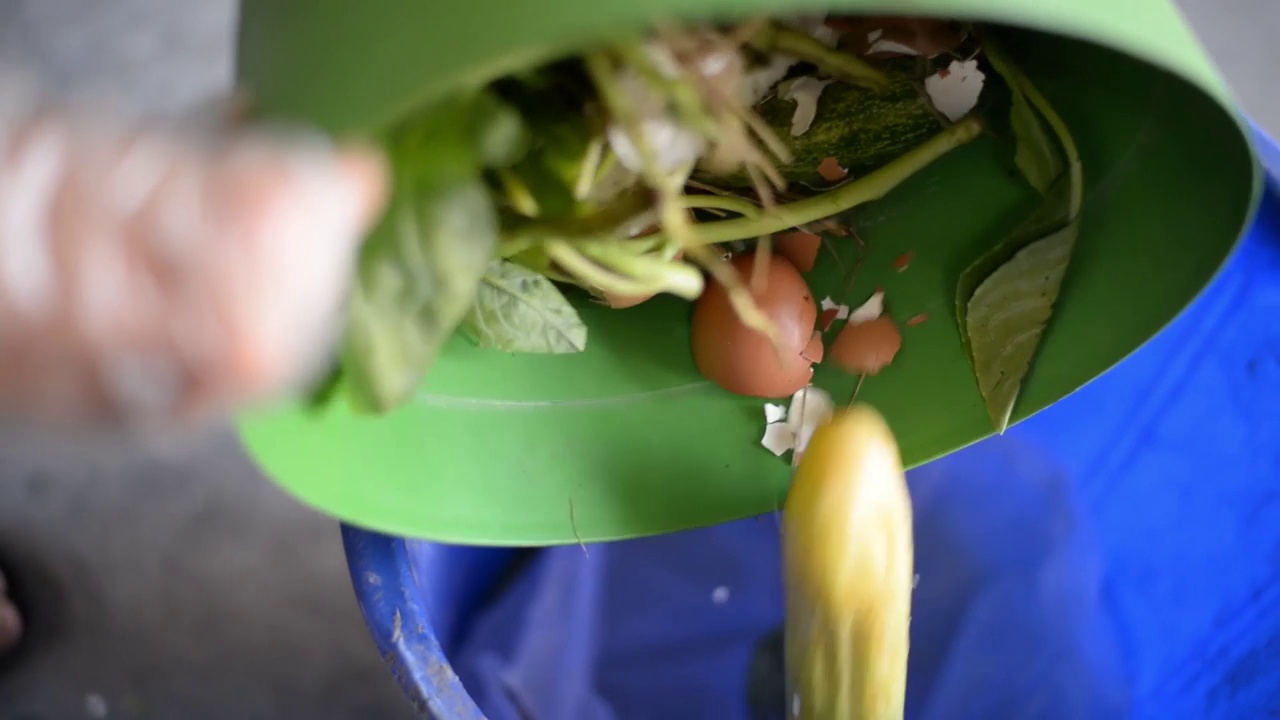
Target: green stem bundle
[(872, 186)]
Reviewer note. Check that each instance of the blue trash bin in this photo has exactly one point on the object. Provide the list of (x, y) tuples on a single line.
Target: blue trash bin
[(1173, 456)]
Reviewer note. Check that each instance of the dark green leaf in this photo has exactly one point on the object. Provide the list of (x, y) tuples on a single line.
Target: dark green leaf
[(420, 266), (1005, 299), (500, 135), (1048, 217), (552, 192), (1037, 153), (518, 310), (418, 278), (1009, 312), (460, 133)]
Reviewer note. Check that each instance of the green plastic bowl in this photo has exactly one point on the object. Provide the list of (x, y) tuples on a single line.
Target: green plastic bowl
[(627, 439)]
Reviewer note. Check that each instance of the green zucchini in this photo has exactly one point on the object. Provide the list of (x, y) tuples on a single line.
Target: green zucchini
[(863, 130)]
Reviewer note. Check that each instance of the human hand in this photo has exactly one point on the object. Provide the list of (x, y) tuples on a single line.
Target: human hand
[(161, 277)]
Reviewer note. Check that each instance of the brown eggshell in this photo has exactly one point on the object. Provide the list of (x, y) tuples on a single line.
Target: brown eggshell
[(828, 318), (927, 37), (867, 348), (831, 170), (814, 351), (798, 246), (742, 360)]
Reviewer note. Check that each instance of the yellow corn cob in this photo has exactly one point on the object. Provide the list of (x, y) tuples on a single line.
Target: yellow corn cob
[(847, 567)]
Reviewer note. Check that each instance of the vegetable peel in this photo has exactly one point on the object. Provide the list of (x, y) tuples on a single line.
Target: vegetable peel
[(848, 573)]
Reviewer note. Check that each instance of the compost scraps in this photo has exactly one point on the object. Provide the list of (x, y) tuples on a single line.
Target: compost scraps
[(708, 162)]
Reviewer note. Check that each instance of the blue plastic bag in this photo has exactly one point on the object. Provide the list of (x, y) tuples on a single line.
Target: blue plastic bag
[(1008, 620)]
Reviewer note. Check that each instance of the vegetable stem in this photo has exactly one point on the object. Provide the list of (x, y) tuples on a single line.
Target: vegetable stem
[(1014, 76), (677, 278), (776, 38), (736, 205), (1074, 168), (586, 271), (603, 221), (872, 186)]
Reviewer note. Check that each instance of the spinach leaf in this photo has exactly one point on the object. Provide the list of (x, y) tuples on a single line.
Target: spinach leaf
[(417, 280), (1043, 220), (420, 266), (1037, 154), (518, 310), (1008, 314), (1005, 299)]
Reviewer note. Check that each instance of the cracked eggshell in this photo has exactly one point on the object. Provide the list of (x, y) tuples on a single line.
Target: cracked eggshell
[(774, 413), (869, 310), (866, 348), (831, 170), (804, 92), (799, 247), (743, 361), (810, 408), (954, 91), (778, 438), (841, 312)]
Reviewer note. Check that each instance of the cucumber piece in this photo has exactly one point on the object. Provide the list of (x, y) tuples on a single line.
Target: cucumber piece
[(861, 129)]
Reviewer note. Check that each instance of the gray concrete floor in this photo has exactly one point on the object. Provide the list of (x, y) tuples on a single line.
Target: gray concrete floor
[(186, 586)]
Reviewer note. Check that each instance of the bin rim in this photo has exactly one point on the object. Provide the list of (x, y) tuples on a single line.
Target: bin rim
[(398, 620)]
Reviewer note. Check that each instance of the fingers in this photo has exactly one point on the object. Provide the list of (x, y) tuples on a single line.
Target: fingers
[(286, 222), (10, 621), (152, 278)]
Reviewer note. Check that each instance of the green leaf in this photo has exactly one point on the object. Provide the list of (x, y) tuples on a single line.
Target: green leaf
[(1037, 154), (1048, 217), (1009, 312), (420, 266), (418, 278), (1021, 86), (1005, 299), (460, 133), (518, 310), (500, 136)]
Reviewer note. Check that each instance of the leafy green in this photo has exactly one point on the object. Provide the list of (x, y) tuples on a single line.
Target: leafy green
[(518, 310), (1005, 299), (420, 266), (1046, 218), (500, 136), (1009, 312), (1037, 154), (417, 280), (560, 135)]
